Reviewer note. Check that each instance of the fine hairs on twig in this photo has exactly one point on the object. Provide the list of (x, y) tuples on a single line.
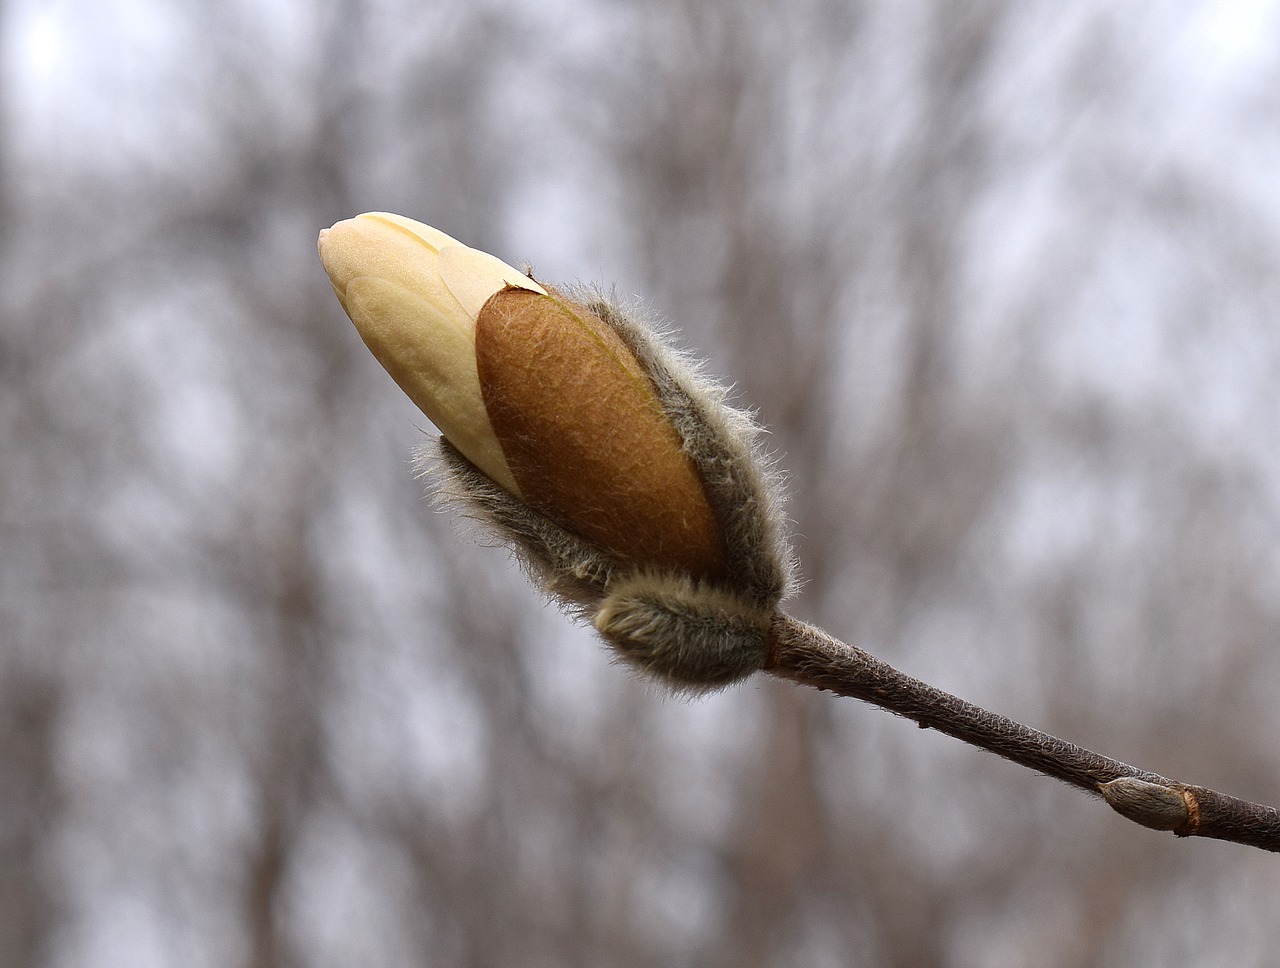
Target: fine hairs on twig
[(697, 634), (809, 656)]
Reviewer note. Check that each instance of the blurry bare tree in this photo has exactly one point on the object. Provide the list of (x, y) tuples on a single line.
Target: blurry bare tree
[(1000, 277)]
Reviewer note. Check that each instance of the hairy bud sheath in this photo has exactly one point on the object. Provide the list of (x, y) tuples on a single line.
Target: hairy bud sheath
[(613, 469), (613, 473)]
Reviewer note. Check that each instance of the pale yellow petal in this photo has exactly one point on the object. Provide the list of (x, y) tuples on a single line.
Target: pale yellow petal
[(432, 236), (433, 360), (473, 276), (390, 248)]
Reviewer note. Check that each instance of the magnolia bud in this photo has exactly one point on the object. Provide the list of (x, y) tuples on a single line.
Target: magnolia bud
[(618, 474)]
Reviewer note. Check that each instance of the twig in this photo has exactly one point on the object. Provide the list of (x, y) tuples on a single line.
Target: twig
[(807, 655)]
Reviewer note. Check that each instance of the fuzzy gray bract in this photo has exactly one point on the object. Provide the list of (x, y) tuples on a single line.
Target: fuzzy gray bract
[(693, 637)]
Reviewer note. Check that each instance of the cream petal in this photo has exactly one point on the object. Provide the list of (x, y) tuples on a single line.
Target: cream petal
[(433, 360), (370, 245), (473, 276), (433, 237)]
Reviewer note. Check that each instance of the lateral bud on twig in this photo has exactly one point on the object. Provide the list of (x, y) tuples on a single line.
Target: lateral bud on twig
[(1149, 804)]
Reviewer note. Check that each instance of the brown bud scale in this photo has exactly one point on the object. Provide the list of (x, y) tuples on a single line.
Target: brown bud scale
[(586, 437)]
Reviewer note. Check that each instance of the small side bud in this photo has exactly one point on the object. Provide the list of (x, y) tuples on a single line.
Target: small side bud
[(695, 638), (1149, 804)]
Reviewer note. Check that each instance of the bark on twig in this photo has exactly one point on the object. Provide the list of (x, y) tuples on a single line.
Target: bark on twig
[(807, 655)]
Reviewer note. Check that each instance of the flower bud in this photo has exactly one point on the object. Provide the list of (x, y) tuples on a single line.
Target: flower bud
[(617, 473)]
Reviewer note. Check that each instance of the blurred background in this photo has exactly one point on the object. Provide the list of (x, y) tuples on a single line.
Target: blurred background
[(1000, 278)]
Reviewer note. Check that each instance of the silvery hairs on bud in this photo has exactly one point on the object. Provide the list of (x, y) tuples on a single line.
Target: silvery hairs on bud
[(693, 634)]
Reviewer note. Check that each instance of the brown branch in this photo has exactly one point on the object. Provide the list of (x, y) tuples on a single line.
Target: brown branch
[(807, 655)]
